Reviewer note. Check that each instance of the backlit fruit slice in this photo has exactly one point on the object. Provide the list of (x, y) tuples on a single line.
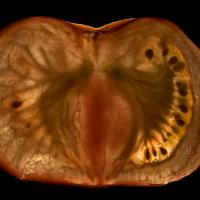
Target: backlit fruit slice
[(115, 105)]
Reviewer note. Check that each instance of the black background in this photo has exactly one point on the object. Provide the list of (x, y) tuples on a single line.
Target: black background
[(186, 14)]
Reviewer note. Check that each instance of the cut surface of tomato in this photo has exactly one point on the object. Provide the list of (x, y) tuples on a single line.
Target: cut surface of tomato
[(115, 105)]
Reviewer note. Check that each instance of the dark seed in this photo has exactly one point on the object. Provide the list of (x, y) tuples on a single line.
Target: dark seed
[(182, 88), (174, 129), (165, 51), (16, 104), (173, 60), (178, 67), (182, 92), (164, 139), (154, 152), (169, 134), (178, 84), (149, 53), (183, 108), (163, 151), (147, 154), (181, 85), (180, 122)]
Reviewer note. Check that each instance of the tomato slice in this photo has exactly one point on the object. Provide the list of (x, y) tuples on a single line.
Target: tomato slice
[(115, 105)]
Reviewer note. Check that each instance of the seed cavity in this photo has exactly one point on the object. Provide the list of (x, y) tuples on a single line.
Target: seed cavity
[(179, 66), (164, 139), (147, 154), (183, 108), (182, 92), (154, 152), (169, 134), (149, 54), (174, 129), (16, 104), (173, 60), (178, 84), (180, 122), (181, 85), (163, 151), (182, 88)]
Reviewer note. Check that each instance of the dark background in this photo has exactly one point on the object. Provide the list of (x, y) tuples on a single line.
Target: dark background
[(186, 14)]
